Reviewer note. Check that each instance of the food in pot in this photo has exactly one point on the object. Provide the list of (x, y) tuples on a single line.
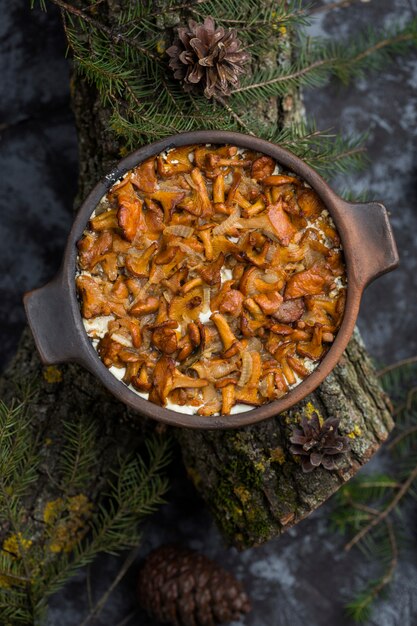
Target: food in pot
[(210, 279)]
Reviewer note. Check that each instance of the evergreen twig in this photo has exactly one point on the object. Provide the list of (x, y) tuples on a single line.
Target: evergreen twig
[(114, 36), (367, 505), (99, 606), (359, 608), (113, 56), (381, 517)]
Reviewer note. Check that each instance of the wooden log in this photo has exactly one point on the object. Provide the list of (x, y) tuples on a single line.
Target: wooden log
[(253, 485)]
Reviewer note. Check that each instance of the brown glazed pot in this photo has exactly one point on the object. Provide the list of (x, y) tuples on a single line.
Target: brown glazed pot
[(54, 314)]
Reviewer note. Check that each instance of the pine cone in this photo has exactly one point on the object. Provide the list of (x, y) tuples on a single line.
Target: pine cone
[(181, 587), (318, 445), (206, 57)]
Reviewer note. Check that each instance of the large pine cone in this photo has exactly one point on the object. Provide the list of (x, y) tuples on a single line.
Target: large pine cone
[(206, 57), (181, 587)]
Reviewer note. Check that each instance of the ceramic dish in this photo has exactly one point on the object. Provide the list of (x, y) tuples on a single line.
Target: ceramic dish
[(54, 311)]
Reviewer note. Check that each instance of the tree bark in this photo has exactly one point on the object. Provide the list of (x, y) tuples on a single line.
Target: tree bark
[(252, 484)]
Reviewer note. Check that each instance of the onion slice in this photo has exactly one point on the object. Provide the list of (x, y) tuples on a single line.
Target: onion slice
[(246, 370), (227, 224), (179, 230), (124, 341)]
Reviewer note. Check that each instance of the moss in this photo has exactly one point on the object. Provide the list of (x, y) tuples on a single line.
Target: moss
[(239, 504), (245, 525), (242, 493), (277, 455)]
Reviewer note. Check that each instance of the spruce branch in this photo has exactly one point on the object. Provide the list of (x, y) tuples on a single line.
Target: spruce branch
[(382, 516), (367, 505), (114, 36), (360, 607), (39, 553), (136, 490), (318, 62)]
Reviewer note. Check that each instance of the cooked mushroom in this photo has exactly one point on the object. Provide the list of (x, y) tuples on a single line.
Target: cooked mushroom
[(91, 247), (144, 176), (220, 278), (129, 215)]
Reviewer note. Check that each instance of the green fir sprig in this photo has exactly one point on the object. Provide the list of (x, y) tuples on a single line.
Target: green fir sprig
[(370, 508), (127, 63), (47, 539)]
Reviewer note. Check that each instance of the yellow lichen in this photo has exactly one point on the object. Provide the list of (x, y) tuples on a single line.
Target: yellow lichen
[(310, 410), (260, 466), (52, 510), (277, 455), (62, 541), (242, 493), (52, 374), (160, 46), (356, 432), (16, 544), (80, 504), (72, 515)]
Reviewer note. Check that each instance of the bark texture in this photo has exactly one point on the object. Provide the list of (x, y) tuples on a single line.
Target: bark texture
[(253, 485), (255, 488)]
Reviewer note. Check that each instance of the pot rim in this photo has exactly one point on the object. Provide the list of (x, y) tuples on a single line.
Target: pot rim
[(87, 355)]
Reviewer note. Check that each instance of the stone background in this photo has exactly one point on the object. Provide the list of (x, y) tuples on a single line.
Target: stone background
[(305, 577)]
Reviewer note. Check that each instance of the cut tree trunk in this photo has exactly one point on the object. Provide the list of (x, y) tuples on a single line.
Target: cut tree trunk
[(252, 484)]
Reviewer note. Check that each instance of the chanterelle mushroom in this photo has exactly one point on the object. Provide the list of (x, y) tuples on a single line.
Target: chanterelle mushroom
[(210, 277)]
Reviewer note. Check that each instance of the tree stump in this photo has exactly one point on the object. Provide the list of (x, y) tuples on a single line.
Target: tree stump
[(252, 484)]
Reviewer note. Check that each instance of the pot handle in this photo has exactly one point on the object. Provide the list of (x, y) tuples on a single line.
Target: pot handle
[(373, 243), (52, 323)]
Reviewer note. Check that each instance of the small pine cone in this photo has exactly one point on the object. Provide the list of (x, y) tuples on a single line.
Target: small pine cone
[(207, 58), (181, 587), (318, 445)]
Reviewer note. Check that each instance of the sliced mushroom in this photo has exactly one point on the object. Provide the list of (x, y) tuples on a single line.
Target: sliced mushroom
[(91, 247), (307, 283), (176, 161), (144, 176), (138, 265)]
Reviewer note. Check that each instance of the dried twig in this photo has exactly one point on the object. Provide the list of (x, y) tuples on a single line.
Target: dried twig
[(98, 607), (340, 4), (128, 618), (394, 366), (401, 436), (384, 514), (235, 116)]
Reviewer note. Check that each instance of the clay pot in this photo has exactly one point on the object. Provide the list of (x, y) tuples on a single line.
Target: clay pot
[(54, 314)]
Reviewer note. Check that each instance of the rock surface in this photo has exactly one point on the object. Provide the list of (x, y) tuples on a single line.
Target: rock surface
[(303, 577)]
